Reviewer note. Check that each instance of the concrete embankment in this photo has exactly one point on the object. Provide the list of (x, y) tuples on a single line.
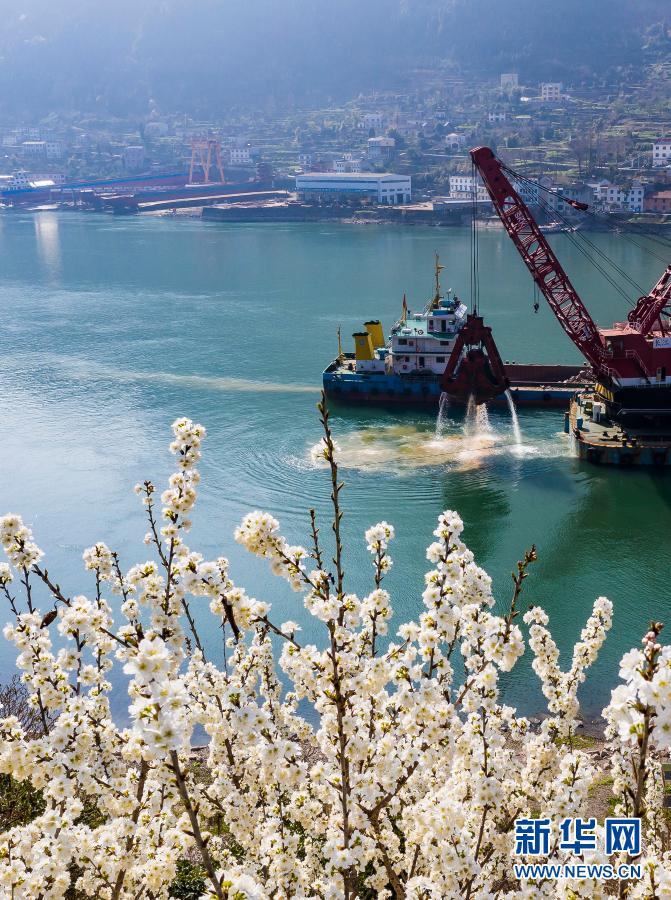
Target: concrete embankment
[(303, 212)]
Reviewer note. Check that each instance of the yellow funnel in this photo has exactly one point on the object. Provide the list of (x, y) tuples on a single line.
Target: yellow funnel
[(374, 329), (363, 346)]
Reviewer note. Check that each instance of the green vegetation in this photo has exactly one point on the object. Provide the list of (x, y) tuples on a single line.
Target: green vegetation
[(190, 881)]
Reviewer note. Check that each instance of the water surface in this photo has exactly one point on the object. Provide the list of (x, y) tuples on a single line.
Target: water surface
[(113, 327)]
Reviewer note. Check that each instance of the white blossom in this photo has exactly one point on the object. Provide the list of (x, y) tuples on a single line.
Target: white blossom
[(403, 772)]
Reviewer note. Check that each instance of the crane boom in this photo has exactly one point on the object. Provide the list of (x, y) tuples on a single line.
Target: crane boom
[(539, 258), (649, 308)]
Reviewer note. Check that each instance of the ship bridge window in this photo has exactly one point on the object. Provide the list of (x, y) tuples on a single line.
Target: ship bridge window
[(444, 343), (402, 342), (443, 325), (440, 359)]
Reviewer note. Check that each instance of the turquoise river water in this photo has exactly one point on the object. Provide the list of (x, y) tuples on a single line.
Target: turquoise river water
[(111, 327)]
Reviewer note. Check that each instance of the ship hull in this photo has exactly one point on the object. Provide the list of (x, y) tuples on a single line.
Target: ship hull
[(530, 386)]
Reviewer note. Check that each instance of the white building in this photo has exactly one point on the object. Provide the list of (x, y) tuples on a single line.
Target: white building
[(383, 188), (510, 80), (34, 149), (381, 148), (454, 141), (55, 149), (529, 191), (375, 120), (661, 152), (305, 160), (613, 196), (494, 117), (133, 158), (346, 163), (551, 90), (462, 187), (240, 156)]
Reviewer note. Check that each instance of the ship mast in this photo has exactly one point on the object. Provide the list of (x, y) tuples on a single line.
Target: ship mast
[(437, 297)]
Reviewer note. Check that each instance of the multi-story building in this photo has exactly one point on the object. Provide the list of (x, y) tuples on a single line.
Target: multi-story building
[(529, 191), (34, 149), (661, 152), (55, 149), (382, 188), (454, 141), (374, 120), (346, 163), (462, 187), (614, 196), (583, 193), (494, 117), (660, 202), (381, 148), (551, 90), (133, 158), (240, 156)]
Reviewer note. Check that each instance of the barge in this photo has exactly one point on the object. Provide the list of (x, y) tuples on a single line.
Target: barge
[(436, 351), (538, 386)]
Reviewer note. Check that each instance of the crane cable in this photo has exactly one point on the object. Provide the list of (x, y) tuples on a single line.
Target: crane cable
[(628, 230), (572, 233), (475, 255)]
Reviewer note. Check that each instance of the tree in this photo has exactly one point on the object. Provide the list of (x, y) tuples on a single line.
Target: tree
[(415, 777)]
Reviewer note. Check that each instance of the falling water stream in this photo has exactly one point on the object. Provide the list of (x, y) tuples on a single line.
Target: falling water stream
[(442, 418), (476, 419), (517, 431)]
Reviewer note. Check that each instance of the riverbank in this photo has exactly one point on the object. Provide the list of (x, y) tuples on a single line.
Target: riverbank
[(240, 211)]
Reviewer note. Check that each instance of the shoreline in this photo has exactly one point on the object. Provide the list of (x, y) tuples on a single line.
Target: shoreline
[(412, 215)]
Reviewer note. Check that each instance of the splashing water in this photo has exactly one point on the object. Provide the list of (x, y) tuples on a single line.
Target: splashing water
[(517, 431), (482, 426), (442, 417), (469, 417), (476, 420)]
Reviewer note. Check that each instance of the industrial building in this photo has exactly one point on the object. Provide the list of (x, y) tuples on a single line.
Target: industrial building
[(383, 188)]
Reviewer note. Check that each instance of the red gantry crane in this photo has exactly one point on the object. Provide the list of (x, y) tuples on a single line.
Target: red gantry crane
[(632, 359)]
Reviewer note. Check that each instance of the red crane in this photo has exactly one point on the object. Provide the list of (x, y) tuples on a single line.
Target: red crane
[(627, 357)]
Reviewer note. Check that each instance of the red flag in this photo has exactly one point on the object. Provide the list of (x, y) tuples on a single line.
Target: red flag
[(405, 308)]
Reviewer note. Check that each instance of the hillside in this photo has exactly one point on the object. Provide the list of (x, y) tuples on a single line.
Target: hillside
[(84, 55)]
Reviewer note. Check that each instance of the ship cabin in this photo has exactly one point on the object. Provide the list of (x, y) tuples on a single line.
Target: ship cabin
[(422, 342)]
